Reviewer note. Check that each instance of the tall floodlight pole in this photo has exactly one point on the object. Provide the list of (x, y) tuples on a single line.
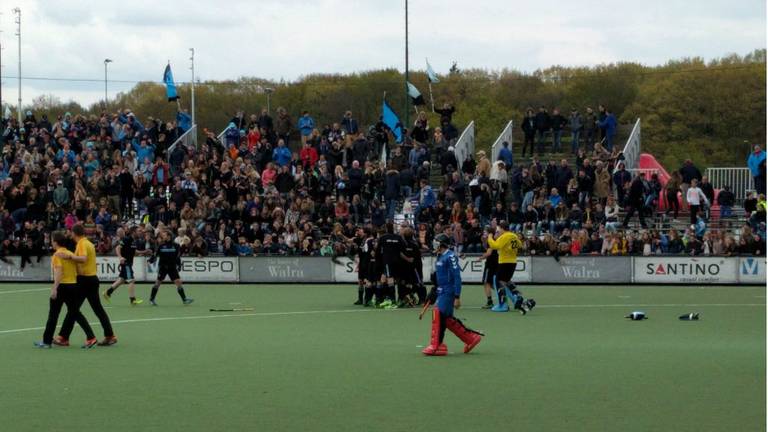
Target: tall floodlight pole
[(106, 62), (17, 11), (406, 110), (192, 60)]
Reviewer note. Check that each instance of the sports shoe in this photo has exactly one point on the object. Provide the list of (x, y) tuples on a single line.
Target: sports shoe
[(188, 301), (153, 303), (391, 306), (60, 341), (488, 305), (431, 350), (358, 303), (500, 308), (370, 304), (42, 345), (108, 340), (106, 297), (384, 304), (90, 343), (531, 303), (136, 302)]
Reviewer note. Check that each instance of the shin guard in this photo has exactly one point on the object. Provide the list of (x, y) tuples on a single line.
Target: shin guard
[(436, 347), (470, 337)]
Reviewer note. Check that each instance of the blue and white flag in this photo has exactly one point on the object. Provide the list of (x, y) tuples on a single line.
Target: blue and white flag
[(392, 121), (170, 87), (415, 95), (431, 75)]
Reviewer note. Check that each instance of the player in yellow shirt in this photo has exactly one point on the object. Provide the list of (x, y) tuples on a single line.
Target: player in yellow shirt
[(507, 244), (88, 281), (64, 291)]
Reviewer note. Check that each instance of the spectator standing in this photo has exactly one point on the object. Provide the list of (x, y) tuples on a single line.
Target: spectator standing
[(528, 125), (590, 129), (350, 126), (756, 164), (542, 127), (695, 198), (670, 191), (609, 126), (620, 178), (576, 124), (284, 125), (636, 200), (306, 125), (557, 122), (726, 200), (688, 173), (505, 155)]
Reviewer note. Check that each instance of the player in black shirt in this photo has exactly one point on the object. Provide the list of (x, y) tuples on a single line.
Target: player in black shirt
[(168, 257), (410, 283), (491, 257), (390, 248), (364, 245), (126, 251)]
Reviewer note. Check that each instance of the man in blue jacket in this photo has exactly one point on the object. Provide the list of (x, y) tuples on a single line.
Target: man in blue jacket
[(306, 126), (505, 154), (281, 155), (609, 125), (446, 295), (756, 158)]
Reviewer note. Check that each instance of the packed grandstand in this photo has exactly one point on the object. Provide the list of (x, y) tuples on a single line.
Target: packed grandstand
[(285, 186)]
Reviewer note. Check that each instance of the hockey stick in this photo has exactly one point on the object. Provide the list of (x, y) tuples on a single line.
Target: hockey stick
[(246, 309), (424, 308)]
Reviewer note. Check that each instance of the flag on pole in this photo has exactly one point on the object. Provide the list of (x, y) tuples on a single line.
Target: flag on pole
[(170, 87), (431, 75), (392, 121), (415, 95), (7, 113)]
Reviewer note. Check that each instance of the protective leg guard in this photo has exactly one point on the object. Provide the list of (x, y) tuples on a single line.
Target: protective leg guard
[(368, 295), (436, 347), (470, 337)]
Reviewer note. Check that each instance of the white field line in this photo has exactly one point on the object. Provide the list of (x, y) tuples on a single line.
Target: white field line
[(319, 312)]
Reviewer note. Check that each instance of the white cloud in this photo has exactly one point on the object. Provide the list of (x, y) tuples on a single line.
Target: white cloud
[(290, 38)]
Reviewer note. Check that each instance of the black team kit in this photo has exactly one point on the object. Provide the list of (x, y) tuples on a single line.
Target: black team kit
[(168, 258)]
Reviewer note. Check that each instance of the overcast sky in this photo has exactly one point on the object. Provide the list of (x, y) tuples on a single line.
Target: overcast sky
[(290, 38)]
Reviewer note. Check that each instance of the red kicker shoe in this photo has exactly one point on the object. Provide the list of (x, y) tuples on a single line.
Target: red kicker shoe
[(470, 337), (441, 350), (60, 341)]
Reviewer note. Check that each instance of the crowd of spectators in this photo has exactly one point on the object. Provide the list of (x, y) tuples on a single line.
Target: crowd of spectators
[(279, 186)]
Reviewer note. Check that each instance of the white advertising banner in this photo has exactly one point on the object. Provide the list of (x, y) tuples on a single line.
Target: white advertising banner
[(202, 270), (108, 268), (685, 270), (472, 269), (752, 270)]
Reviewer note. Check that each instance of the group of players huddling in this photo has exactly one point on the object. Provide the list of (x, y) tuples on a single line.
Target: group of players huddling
[(386, 260)]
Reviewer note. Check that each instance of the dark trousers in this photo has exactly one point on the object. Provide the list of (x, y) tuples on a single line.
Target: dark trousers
[(89, 286), (70, 295), (528, 143), (694, 209), (635, 207), (672, 203)]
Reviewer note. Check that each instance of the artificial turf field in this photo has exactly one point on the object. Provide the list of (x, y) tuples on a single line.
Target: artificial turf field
[(306, 359)]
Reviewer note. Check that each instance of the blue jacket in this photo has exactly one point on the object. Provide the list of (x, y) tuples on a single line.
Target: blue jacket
[(609, 124), (754, 162), (281, 156), (448, 275), (306, 124), (145, 152), (427, 197), (505, 155)]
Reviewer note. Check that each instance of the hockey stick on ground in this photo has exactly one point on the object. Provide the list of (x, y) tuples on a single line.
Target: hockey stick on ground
[(246, 309)]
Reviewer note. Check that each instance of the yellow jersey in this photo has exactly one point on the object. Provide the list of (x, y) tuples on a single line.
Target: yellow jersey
[(507, 244), (86, 248), (68, 267)]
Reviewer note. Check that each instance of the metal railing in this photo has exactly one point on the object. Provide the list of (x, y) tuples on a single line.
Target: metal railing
[(632, 148), (647, 171), (739, 179), (188, 139), (465, 146)]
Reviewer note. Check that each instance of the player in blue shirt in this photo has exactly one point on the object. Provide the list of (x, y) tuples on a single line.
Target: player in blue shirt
[(446, 294)]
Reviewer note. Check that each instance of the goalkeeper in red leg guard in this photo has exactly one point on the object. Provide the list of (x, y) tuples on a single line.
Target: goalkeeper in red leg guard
[(446, 293)]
